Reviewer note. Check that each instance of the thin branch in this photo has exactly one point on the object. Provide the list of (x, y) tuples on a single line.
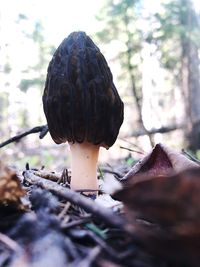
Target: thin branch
[(10, 243), (190, 156), (47, 175), (75, 223), (87, 262), (87, 204), (117, 174), (132, 144), (43, 130), (63, 213), (137, 97), (164, 129), (131, 150)]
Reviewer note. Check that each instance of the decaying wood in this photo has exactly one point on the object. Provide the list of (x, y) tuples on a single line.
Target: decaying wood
[(87, 204), (47, 175)]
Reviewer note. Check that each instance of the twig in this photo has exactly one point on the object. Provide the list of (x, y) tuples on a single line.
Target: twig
[(107, 215), (62, 214), (75, 223), (39, 129), (87, 190), (131, 150), (65, 177), (71, 248), (44, 131), (87, 262), (164, 129), (10, 243), (190, 156), (108, 249), (100, 173), (132, 144), (46, 175), (119, 175)]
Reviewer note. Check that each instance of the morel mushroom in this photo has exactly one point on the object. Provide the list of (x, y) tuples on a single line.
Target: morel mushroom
[(82, 105)]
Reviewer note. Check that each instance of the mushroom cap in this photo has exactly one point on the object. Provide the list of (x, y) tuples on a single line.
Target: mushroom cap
[(80, 100)]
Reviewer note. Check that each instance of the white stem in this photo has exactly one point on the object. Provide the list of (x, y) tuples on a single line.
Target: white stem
[(84, 159)]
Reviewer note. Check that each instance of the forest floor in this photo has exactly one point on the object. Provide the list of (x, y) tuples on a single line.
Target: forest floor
[(45, 223)]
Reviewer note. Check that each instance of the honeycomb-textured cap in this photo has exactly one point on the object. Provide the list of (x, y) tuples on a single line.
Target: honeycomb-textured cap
[(80, 100)]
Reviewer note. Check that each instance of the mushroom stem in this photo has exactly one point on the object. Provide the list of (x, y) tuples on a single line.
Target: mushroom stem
[(84, 157)]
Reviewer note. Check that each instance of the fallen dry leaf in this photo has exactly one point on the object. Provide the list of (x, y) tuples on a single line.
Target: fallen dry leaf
[(159, 162), (10, 187), (165, 200), (164, 212)]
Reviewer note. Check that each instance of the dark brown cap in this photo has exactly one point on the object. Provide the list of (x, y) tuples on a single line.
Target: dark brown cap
[(80, 100)]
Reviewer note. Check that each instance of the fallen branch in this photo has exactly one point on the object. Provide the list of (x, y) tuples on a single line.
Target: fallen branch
[(43, 130), (87, 204), (47, 175), (190, 156), (131, 150), (10, 243), (164, 129)]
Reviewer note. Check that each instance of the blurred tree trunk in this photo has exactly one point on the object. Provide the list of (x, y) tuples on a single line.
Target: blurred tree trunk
[(175, 31), (121, 20), (190, 77), (178, 40), (137, 92), (194, 98)]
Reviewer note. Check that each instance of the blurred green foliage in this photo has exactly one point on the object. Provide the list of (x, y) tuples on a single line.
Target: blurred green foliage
[(174, 31)]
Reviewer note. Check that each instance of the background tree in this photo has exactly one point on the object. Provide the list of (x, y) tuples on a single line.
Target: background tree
[(23, 70), (178, 39), (175, 31), (44, 51), (121, 22)]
